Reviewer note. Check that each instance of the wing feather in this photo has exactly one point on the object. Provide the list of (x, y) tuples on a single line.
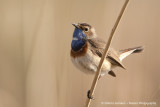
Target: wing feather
[(97, 47)]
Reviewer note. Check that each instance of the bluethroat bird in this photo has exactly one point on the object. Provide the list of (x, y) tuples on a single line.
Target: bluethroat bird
[(87, 50)]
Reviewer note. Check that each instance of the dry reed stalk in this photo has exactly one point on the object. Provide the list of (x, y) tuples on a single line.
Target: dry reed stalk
[(95, 81)]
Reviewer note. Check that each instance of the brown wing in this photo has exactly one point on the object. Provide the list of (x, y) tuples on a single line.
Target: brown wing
[(97, 47)]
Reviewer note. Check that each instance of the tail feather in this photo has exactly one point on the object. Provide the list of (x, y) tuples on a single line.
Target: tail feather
[(138, 49), (124, 53)]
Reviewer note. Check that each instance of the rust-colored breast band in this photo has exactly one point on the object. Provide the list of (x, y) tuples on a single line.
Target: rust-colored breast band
[(80, 52)]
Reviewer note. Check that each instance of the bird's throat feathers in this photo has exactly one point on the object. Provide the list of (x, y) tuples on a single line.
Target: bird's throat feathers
[(80, 52), (78, 40), (79, 44)]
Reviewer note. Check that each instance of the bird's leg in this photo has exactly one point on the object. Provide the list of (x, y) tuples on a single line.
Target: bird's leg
[(88, 93)]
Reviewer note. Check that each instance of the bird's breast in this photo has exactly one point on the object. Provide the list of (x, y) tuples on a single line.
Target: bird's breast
[(88, 62)]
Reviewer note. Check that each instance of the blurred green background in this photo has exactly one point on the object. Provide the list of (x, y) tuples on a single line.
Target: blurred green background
[(35, 66)]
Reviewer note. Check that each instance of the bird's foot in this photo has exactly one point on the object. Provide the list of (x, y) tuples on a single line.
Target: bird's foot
[(89, 96)]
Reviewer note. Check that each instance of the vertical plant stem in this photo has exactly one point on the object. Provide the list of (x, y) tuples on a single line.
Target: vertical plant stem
[(95, 81)]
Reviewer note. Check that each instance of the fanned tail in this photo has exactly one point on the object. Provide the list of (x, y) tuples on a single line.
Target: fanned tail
[(124, 53)]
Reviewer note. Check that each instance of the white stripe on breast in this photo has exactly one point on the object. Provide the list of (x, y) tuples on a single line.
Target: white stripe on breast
[(74, 38)]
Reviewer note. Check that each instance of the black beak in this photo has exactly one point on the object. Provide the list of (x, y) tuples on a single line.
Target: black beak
[(75, 25)]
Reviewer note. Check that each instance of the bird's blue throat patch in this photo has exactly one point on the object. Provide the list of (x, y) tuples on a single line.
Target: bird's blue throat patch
[(78, 39)]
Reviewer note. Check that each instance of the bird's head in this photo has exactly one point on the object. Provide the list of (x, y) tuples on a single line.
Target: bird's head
[(85, 29), (82, 33)]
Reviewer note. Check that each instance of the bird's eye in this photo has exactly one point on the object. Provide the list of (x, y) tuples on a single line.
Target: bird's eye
[(86, 29)]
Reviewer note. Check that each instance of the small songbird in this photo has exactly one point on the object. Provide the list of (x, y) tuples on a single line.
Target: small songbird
[(87, 50)]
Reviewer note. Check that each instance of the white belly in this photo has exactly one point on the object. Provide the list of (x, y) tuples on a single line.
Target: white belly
[(90, 62)]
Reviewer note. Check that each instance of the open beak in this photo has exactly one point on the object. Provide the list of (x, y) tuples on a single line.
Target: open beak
[(75, 25)]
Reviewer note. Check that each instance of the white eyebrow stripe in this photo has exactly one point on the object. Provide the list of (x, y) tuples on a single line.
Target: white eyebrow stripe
[(74, 38)]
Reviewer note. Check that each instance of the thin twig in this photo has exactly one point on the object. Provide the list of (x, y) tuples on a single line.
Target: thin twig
[(94, 83)]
